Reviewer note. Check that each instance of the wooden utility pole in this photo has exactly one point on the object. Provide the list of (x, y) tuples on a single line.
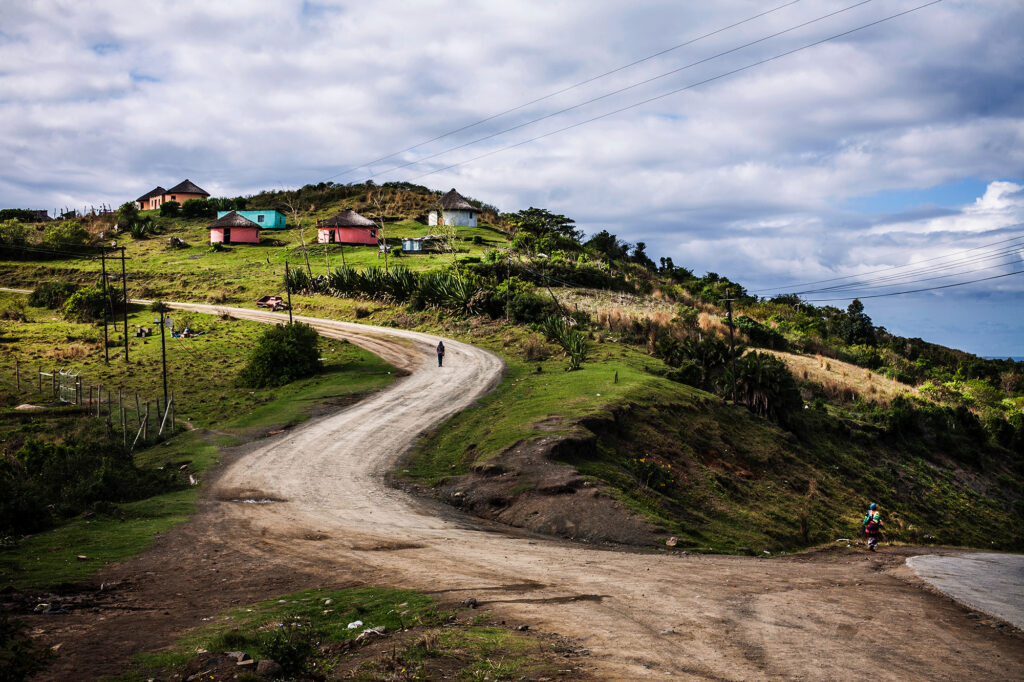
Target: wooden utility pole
[(124, 287), (732, 346), (106, 302), (163, 350), (288, 288)]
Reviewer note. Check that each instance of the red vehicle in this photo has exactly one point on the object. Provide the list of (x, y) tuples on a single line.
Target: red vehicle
[(272, 302)]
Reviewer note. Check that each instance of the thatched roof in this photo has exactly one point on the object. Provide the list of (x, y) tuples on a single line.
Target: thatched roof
[(347, 218), (233, 220), (453, 201), (155, 192), (186, 186)]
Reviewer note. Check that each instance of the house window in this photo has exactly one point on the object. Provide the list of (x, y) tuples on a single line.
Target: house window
[(174, 198), (259, 218)]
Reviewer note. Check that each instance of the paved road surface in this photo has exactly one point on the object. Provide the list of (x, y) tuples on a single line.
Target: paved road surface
[(987, 582)]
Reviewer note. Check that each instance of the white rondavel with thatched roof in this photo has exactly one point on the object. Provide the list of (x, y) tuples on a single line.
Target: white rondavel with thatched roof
[(455, 210)]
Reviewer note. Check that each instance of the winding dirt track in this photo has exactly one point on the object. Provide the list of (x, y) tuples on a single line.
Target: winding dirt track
[(828, 616)]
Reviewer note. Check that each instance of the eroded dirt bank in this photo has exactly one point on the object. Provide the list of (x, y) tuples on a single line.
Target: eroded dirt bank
[(841, 615)]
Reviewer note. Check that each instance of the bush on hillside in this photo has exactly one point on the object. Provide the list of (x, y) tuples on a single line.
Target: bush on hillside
[(760, 335), (45, 482), (13, 233), (571, 340), (283, 353), (20, 656), (169, 209), (66, 233), (198, 208), (765, 386), (85, 305), (52, 295)]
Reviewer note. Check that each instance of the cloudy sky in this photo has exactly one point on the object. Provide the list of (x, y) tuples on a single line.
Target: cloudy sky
[(892, 145)]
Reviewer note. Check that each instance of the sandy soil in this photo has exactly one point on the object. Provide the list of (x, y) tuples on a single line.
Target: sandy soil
[(828, 615)]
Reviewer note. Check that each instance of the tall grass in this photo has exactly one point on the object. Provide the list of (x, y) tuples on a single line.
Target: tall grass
[(444, 289)]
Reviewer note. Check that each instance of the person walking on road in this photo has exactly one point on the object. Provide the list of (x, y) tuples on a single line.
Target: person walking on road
[(440, 353), (872, 526)]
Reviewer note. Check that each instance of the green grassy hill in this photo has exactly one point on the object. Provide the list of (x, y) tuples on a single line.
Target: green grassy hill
[(831, 412)]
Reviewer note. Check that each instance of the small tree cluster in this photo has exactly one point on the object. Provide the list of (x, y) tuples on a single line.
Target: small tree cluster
[(282, 354)]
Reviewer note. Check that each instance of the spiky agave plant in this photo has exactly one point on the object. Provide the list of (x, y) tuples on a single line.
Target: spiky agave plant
[(765, 385)]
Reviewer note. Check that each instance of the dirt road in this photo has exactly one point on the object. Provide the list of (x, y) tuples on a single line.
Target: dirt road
[(841, 615)]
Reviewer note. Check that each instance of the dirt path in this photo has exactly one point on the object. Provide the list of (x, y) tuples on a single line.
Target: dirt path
[(840, 615)]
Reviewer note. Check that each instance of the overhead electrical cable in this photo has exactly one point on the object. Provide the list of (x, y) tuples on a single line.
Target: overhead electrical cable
[(677, 90), (890, 285), (621, 90), (566, 89), (914, 291), (896, 267), (911, 274)]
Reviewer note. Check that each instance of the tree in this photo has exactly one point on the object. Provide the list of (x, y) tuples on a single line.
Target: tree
[(855, 326), (127, 215), (541, 222), (607, 244), (640, 256)]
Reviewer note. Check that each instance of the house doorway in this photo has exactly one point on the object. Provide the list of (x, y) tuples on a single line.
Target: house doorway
[(227, 235)]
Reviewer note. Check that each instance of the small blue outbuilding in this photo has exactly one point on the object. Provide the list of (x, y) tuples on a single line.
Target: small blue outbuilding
[(267, 220)]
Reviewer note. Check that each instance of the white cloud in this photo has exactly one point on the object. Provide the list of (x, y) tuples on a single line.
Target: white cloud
[(749, 174)]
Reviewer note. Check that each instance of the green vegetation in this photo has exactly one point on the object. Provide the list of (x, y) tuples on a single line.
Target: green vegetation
[(846, 396), (308, 633), (59, 465), (282, 354), (20, 658)]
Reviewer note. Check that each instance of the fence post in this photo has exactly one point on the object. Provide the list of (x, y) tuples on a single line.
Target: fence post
[(53, 383), (138, 410), (145, 424), (172, 414)]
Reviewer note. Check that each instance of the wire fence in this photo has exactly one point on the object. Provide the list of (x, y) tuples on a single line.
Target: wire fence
[(140, 420)]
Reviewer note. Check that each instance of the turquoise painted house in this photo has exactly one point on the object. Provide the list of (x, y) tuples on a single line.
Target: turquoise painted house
[(267, 220)]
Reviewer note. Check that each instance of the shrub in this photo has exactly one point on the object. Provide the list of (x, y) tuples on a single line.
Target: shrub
[(760, 335), (572, 341), (169, 209), (66, 233), (765, 386), (141, 228), (46, 481), (20, 658), (198, 208), (85, 305), (52, 294), (283, 353), (290, 646), (13, 233), (477, 239), (396, 251)]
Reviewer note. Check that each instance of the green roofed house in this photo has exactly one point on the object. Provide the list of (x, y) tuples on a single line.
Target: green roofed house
[(267, 220)]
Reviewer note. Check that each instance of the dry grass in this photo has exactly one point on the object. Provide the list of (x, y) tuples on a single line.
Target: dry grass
[(72, 351), (535, 349), (842, 381)]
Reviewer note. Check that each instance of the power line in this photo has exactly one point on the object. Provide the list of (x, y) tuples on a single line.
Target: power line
[(566, 89), (896, 267), (914, 281), (619, 90), (894, 280), (914, 291), (677, 90)]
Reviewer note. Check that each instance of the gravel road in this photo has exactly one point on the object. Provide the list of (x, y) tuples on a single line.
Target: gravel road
[(829, 615)]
